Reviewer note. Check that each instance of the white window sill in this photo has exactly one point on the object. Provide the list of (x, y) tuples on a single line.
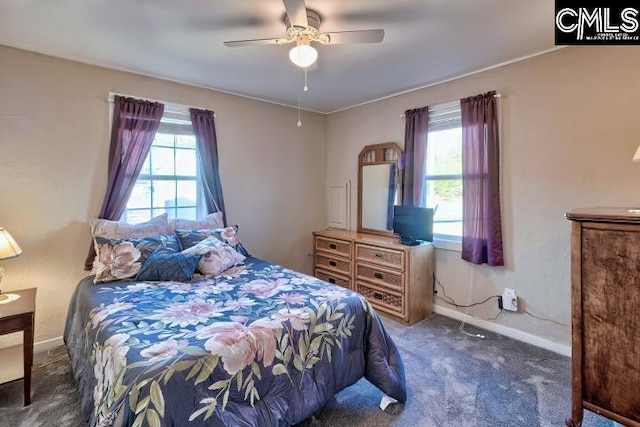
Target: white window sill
[(447, 244)]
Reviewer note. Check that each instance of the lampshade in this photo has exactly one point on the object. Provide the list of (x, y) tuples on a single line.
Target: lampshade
[(636, 157), (8, 246), (303, 55)]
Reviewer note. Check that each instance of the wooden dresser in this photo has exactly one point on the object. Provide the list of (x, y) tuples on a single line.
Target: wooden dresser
[(605, 282), (396, 279)]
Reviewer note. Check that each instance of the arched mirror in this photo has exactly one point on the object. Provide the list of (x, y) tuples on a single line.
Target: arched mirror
[(379, 181)]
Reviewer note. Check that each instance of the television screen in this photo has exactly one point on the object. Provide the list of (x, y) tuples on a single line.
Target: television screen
[(413, 224)]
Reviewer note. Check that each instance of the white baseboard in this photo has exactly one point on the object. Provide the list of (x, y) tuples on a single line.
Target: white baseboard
[(516, 334), (46, 345)]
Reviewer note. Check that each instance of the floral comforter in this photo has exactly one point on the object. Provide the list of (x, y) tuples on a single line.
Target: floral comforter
[(260, 345)]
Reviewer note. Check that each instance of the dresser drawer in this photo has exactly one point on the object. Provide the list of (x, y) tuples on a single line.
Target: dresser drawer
[(333, 246), (333, 263), (382, 277), (385, 300), (333, 278), (385, 257)]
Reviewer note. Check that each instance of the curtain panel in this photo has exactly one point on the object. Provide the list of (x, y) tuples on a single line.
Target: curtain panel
[(481, 218), (415, 151), (134, 127), (204, 129)]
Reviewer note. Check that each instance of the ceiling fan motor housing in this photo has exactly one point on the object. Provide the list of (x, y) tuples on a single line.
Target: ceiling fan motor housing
[(301, 34)]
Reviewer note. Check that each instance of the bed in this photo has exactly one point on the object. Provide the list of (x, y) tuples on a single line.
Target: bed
[(259, 345)]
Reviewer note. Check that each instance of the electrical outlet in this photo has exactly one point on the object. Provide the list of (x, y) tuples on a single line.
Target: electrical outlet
[(510, 300)]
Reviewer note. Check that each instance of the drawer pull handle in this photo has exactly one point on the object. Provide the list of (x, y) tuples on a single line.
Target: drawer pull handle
[(332, 263), (378, 255), (377, 295), (331, 280), (378, 275), (333, 246)]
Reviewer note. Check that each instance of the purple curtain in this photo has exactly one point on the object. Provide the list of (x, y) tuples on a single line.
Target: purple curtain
[(204, 129), (391, 194), (481, 221), (415, 152), (135, 123)]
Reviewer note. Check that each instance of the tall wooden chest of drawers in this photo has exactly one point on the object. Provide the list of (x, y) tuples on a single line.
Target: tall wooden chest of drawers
[(396, 279), (605, 287)]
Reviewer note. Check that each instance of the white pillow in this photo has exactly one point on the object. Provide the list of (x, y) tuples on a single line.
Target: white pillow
[(156, 226), (216, 256), (211, 221)]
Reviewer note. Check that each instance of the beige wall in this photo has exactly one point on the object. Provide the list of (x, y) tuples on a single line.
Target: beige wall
[(570, 125), (53, 164), (569, 128)]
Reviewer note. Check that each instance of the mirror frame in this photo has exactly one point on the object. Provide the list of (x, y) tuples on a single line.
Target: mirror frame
[(377, 154)]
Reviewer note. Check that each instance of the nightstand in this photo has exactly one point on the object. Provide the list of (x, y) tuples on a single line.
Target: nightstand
[(18, 315)]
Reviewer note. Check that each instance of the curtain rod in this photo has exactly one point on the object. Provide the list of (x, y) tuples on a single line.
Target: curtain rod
[(497, 95), (169, 107)]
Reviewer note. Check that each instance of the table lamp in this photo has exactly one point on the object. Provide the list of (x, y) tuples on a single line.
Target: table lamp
[(8, 249)]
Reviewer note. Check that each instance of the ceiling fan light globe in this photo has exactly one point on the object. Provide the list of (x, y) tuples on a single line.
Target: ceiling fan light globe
[(303, 55)]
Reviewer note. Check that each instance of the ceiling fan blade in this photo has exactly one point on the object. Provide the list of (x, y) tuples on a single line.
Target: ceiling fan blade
[(297, 13), (347, 37), (256, 42)]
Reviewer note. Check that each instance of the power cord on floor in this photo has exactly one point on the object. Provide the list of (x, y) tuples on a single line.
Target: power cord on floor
[(452, 302)]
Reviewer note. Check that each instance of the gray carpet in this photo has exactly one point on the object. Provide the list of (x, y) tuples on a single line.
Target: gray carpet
[(453, 379)]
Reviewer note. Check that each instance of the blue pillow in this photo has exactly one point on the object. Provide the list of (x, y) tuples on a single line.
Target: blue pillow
[(168, 266)]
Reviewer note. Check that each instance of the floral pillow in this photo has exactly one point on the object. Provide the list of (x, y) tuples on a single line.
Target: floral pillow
[(210, 222), (216, 256), (228, 235), (119, 259), (169, 266)]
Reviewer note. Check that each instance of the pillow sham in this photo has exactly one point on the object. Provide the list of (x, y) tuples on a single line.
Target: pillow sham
[(169, 266), (228, 235), (216, 256), (210, 222), (156, 226), (118, 259)]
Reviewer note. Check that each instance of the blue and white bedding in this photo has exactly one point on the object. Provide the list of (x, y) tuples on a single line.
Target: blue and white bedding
[(260, 345)]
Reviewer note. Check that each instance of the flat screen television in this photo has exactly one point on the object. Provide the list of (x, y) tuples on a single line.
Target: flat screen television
[(413, 224)]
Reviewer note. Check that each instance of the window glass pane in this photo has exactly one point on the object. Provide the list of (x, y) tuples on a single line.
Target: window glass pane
[(141, 195), (187, 193), (164, 194), (162, 161), (448, 228), (445, 196), (186, 141), (187, 213), (160, 211), (186, 162), (163, 140), (444, 152), (146, 167), (135, 216)]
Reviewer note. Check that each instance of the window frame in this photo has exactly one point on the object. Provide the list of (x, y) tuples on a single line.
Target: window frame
[(176, 119), (441, 117), (151, 177)]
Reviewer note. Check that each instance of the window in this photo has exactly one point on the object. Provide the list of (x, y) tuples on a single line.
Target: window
[(169, 180), (443, 180)]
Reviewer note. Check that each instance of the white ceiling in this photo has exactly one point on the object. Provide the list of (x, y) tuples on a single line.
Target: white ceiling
[(426, 41)]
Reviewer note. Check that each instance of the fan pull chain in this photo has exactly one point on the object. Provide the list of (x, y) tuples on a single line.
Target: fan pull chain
[(299, 121), (306, 88)]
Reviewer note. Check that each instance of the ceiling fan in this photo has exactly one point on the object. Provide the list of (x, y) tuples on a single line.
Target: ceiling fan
[(303, 27)]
